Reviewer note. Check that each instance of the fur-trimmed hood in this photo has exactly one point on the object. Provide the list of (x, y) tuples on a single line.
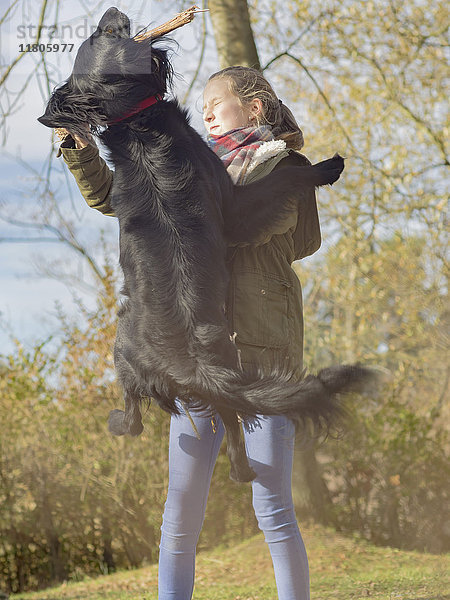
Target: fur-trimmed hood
[(265, 152)]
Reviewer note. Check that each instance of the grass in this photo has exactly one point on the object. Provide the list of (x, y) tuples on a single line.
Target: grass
[(341, 569)]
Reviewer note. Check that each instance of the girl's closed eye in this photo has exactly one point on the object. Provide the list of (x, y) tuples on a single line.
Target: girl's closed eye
[(213, 104)]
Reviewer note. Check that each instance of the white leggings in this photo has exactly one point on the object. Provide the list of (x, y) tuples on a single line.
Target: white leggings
[(270, 448)]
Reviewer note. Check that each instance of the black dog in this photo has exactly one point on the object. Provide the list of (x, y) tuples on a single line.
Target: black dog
[(177, 209)]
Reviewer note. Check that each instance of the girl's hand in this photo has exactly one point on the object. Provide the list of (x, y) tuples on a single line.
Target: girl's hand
[(80, 142)]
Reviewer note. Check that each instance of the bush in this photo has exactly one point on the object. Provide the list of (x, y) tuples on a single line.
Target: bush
[(389, 479)]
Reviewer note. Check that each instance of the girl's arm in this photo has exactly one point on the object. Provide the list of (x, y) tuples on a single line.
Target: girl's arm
[(92, 175)]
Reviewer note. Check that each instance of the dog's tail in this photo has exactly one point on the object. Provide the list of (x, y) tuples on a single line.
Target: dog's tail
[(315, 398)]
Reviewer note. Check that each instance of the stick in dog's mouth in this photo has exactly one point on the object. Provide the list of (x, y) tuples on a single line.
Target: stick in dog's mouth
[(178, 21)]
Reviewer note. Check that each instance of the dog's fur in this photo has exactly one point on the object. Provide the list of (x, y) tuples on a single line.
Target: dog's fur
[(177, 209)]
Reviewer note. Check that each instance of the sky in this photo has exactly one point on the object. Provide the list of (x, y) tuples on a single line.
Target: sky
[(28, 300)]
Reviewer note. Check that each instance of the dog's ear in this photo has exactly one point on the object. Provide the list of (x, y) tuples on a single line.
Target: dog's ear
[(161, 67)]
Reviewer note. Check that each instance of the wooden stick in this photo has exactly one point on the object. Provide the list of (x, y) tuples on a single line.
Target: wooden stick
[(178, 21)]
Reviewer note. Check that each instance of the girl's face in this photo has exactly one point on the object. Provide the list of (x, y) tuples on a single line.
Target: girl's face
[(222, 110)]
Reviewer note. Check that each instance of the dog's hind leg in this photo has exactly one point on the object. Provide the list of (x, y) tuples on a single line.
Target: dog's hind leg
[(240, 469), (129, 421)]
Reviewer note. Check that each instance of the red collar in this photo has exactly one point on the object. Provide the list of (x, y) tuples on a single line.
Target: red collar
[(142, 104)]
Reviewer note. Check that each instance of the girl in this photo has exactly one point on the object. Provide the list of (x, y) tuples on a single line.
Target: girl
[(253, 133)]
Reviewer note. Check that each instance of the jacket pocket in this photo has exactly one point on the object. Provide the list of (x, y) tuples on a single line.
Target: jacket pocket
[(260, 309)]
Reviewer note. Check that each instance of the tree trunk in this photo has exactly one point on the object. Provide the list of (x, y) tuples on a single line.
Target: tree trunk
[(108, 557), (57, 566), (311, 495), (233, 33)]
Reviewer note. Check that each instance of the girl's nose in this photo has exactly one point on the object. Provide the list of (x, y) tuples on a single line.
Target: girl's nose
[(207, 115)]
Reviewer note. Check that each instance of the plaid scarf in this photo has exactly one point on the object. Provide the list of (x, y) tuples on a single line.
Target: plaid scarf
[(237, 147)]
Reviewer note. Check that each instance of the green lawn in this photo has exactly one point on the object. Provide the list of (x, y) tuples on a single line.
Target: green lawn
[(341, 569)]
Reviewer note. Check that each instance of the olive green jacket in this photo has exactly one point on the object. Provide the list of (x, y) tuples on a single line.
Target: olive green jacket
[(264, 305)]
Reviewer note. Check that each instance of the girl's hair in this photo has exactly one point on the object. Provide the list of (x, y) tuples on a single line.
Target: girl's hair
[(246, 83)]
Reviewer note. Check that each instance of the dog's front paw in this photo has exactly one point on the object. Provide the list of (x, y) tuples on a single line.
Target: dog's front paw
[(328, 171)]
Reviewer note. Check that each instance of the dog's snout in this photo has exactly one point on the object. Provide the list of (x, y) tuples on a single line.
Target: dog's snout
[(115, 22), (45, 120)]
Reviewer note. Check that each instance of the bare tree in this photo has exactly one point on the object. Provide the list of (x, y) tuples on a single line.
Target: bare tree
[(233, 33)]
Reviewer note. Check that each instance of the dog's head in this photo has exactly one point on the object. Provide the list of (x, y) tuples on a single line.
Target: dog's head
[(112, 73)]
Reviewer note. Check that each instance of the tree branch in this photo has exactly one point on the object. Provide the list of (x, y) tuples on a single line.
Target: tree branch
[(22, 54), (395, 97), (8, 10), (24, 240), (68, 239)]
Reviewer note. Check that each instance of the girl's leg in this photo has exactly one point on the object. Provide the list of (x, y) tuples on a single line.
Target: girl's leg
[(191, 463), (270, 448)]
